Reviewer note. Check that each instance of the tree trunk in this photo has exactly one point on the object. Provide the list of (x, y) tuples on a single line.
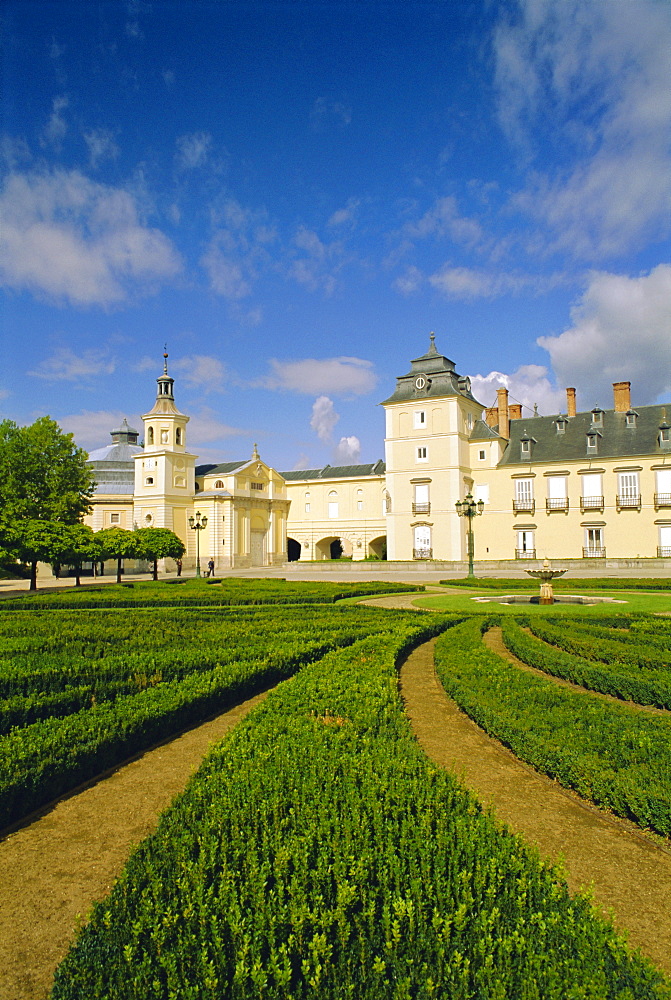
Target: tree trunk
[(118, 570), (155, 569), (33, 575), (78, 582)]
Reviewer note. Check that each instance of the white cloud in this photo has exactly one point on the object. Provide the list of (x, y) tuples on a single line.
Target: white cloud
[(228, 277), (409, 282), (345, 216), (529, 385), (237, 248), (54, 132), (347, 451), (206, 427), (92, 428), (70, 238), (621, 332), (314, 376), (66, 366), (201, 371), (324, 418), (193, 150), (591, 80), (442, 221), (472, 283), (101, 146)]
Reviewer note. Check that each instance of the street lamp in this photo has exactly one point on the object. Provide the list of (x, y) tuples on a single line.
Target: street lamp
[(197, 524), (470, 508)]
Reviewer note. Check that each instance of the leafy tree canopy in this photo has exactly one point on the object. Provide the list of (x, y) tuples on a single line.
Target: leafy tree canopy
[(43, 474), (159, 543)]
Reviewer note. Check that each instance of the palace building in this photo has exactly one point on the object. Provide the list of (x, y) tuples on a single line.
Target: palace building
[(573, 486)]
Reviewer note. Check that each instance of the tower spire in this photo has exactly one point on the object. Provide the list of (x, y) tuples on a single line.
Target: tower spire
[(432, 343), (164, 382)]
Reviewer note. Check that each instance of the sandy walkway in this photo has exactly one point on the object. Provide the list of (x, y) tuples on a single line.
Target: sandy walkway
[(52, 871), (629, 873)]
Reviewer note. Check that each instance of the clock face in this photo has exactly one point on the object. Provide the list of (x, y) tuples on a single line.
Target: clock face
[(420, 382)]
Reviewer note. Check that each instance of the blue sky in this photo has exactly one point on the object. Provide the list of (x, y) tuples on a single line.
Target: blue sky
[(292, 195)]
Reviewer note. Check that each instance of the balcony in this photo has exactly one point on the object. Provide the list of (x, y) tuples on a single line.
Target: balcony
[(421, 508), (594, 552), (525, 553), (557, 503), (591, 503), (664, 551), (422, 553), (662, 500), (524, 506), (627, 501)]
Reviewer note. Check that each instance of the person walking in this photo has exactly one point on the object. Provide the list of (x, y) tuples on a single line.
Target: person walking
[(210, 567)]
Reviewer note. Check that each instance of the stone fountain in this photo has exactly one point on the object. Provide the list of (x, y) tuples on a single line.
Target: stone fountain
[(546, 575)]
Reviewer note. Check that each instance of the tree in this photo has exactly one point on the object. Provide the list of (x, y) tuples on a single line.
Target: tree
[(80, 545), (45, 484), (117, 543), (43, 474), (159, 543)]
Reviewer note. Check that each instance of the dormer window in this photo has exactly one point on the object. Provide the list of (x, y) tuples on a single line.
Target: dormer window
[(597, 417), (526, 445), (630, 418), (219, 485), (592, 443), (665, 436), (561, 423)]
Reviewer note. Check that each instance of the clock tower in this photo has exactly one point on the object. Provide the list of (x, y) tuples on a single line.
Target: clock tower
[(164, 470)]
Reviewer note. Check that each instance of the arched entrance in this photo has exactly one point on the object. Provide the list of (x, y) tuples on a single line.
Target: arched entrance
[(378, 547), (329, 548), (293, 550)]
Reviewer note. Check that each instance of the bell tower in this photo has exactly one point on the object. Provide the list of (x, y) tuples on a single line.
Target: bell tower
[(164, 471)]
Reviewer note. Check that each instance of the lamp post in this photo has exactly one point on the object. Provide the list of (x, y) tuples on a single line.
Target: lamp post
[(470, 508), (197, 524)]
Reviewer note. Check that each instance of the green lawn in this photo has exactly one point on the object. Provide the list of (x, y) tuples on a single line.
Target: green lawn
[(454, 600)]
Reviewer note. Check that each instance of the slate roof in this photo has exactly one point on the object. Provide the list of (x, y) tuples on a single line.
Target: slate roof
[(482, 432), (614, 438), (336, 472), (224, 469), (440, 375)]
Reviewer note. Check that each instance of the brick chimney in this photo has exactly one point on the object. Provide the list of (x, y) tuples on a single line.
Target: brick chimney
[(515, 411), (504, 421), (570, 403), (492, 416), (622, 396)]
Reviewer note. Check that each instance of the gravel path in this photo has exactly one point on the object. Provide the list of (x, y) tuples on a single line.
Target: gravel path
[(630, 874), (52, 871)]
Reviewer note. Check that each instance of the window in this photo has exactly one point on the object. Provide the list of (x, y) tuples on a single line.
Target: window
[(421, 503), (257, 486), (481, 492), (557, 498), (526, 446), (469, 421), (178, 436), (592, 444), (333, 504), (219, 485), (561, 422), (422, 454), (420, 418), (594, 543), (524, 496), (307, 507), (592, 492), (628, 490), (663, 488), (165, 436), (149, 481), (630, 418), (664, 437), (150, 435), (664, 547), (482, 454), (148, 519), (359, 499), (422, 542), (597, 416), (526, 544), (115, 518)]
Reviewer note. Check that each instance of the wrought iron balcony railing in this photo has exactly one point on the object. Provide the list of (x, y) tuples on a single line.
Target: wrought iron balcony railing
[(557, 503), (525, 553), (524, 506), (421, 508), (664, 551), (591, 503), (630, 501), (422, 553), (594, 552), (662, 499)]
